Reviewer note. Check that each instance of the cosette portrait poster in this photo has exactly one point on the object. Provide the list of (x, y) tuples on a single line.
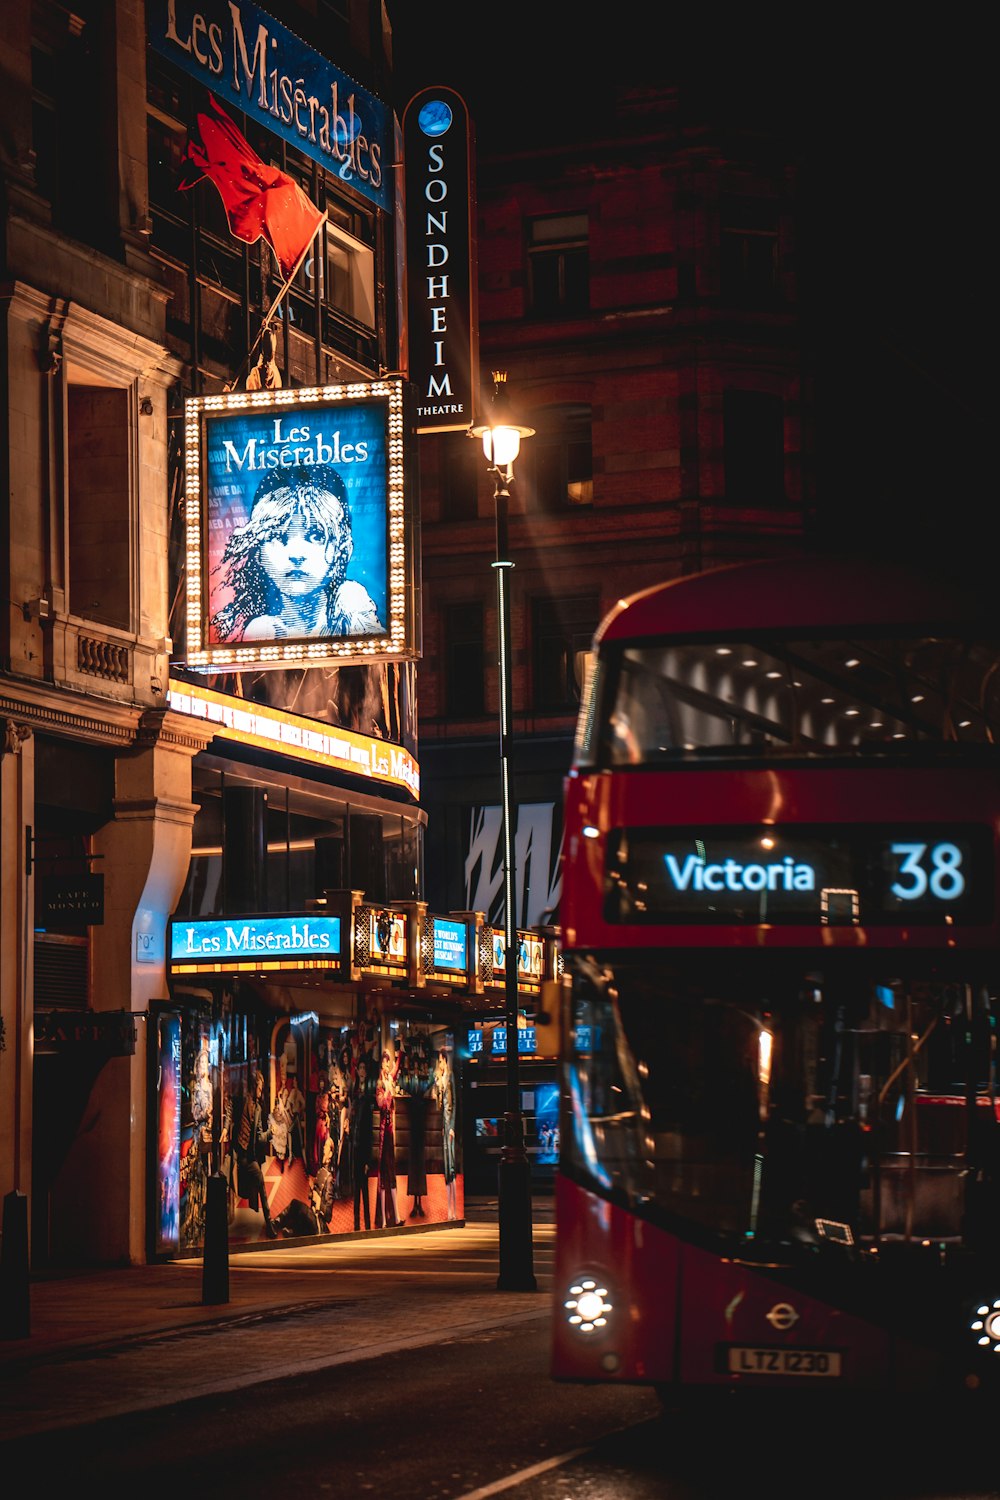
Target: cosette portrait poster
[(294, 507)]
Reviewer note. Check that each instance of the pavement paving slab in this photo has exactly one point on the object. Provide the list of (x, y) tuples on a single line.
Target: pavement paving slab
[(312, 1304)]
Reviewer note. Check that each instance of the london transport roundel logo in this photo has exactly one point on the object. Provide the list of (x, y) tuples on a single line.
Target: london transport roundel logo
[(435, 117)]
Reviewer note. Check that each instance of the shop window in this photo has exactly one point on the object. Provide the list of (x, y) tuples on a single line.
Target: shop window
[(754, 447), (562, 635), (464, 659), (560, 459), (749, 251), (100, 490), (61, 967), (559, 265)]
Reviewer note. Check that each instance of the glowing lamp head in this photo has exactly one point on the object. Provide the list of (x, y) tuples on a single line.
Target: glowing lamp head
[(501, 445), (502, 433)]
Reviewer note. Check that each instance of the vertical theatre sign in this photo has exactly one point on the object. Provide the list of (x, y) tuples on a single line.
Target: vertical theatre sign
[(440, 260)]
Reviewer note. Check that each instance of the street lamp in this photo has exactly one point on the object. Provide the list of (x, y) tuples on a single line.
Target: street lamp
[(501, 436)]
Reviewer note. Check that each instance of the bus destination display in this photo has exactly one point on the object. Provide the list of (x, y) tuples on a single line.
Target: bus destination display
[(856, 875)]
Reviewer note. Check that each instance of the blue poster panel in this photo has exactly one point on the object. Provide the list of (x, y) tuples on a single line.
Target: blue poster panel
[(547, 1123), (451, 945)]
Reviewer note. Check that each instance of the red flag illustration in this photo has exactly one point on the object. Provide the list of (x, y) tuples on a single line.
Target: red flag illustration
[(258, 199)]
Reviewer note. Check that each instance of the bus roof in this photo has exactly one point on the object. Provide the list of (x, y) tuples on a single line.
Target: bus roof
[(800, 595)]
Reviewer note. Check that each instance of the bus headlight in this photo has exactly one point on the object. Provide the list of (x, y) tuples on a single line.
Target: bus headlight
[(587, 1305), (986, 1325)]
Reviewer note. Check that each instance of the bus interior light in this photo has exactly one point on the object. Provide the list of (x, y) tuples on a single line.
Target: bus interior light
[(764, 1048), (831, 1229)]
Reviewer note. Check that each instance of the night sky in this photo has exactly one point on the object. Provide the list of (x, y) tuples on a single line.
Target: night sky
[(891, 124)]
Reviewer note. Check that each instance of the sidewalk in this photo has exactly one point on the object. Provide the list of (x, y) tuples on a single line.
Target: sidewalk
[(74, 1311)]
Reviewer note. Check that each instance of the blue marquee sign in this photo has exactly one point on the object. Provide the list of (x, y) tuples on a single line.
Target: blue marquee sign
[(225, 944), (451, 945)]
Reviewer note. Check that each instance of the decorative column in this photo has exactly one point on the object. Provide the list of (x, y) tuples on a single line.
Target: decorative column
[(17, 800)]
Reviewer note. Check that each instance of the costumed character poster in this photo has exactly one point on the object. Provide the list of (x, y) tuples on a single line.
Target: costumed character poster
[(168, 1142), (296, 518)]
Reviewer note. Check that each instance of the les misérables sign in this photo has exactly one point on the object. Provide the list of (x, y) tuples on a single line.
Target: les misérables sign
[(441, 306), (256, 65)]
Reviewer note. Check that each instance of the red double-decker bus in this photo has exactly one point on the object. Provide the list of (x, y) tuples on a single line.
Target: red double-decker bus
[(780, 1131)]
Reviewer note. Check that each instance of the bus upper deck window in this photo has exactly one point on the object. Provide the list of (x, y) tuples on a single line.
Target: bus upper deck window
[(624, 745)]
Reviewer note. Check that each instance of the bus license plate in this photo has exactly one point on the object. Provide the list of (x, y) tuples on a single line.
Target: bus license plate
[(750, 1361)]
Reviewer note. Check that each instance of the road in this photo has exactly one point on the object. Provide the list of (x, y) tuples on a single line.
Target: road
[(410, 1376)]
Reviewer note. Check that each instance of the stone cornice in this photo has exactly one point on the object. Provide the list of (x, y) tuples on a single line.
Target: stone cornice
[(92, 339), (42, 707)]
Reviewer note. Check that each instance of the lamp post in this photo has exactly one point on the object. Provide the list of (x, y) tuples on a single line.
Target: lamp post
[(501, 437)]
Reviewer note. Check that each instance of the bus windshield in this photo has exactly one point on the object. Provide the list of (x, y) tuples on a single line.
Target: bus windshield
[(781, 1104), (810, 697)]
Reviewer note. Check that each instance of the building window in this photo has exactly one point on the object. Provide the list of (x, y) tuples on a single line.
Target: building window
[(560, 459), (460, 461), (464, 660), (754, 447), (749, 251), (166, 142), (562, 636), (100, 490), (559, 265), (335, 13), (345, 266), (66, 88)]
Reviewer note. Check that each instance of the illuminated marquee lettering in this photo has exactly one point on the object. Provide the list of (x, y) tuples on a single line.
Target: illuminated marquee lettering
[(730, 875), (247, 942), (289, 450), (247, 939), (261, 725), (436, 191)]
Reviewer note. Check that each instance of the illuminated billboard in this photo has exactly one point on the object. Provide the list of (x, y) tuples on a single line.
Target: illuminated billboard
[(298, 534), (233, 945), (530, 959), (293, 735), (450, 946)]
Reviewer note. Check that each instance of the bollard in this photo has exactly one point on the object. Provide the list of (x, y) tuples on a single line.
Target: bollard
[(15, 1294), (215, 1264), (517, 1271)]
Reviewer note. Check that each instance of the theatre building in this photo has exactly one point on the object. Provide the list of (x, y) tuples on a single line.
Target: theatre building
[(213, 919)]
